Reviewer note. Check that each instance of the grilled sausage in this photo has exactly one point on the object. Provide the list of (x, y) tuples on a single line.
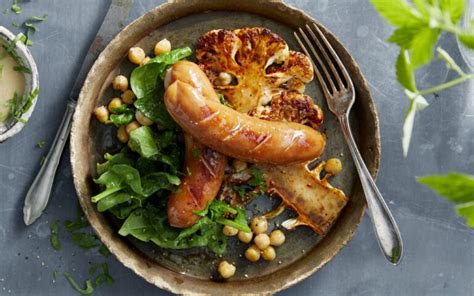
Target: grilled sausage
[(193, 103), (204, 166), (205, 171)]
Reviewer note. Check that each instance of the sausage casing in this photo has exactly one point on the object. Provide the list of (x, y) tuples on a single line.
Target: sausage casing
[(204, 169), (238, 135)]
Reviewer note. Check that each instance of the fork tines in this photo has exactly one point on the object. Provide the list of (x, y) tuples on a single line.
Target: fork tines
[(323, 57)]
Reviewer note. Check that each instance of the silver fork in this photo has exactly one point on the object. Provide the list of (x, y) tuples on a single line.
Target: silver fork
[(340, 96)]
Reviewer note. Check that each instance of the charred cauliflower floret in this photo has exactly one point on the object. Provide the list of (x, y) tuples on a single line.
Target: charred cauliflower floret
[(291, 106), (250, 66)]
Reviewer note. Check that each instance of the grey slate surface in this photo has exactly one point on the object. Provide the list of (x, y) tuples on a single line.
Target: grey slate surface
[(439, 249)]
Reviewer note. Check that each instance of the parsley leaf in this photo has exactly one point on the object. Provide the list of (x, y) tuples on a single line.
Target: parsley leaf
[(40, 144), (54, 236), (455, 187), (88, 290), (85, 240), (15, 7)]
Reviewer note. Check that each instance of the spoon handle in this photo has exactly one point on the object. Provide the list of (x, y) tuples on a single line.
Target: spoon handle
[(385, 227), (40, 190)]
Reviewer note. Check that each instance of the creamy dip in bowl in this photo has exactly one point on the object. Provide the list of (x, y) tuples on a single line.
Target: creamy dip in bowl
[(19, 84)]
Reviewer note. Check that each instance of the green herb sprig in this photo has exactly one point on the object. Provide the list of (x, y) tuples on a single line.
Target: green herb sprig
[(419, 25), (457, 188)]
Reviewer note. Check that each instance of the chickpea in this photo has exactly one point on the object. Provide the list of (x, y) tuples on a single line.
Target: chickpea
[(145, 61), (262, 241), (239, 165), (245, 237), (277, 238), (226, 270), (132, 126), (102, 114), (128, 97), (136, 55), (142, 118), (122, 134), (120, 83), (269, 253), (224, 78), (333, 166), (230, 231), (252, 253), (115, 103), (259, 225), (163, 46)]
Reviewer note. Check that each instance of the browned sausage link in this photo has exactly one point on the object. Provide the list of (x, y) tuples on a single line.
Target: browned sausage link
[(204, 167), (205, 171), (238, 135)]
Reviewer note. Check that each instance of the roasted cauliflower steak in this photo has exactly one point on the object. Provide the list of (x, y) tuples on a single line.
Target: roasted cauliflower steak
[(268, 82), (259, 62)]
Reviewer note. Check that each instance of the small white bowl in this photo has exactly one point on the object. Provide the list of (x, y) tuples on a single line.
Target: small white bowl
[(11, 127)]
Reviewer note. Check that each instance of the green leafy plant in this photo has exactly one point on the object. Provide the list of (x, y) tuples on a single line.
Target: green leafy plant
[(457, 188), (419, 25)]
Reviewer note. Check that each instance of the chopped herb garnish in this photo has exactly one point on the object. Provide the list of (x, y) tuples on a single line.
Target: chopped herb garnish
[(40, 144), (54, 236), (38, 18), (241, 190), (15, 7), (43, 158), (72, 226), (196, 153), (31, 26), (84, 291), (104, 276), (258, 179), (22, 69), (104, 251), (224, 101), (85, 240)]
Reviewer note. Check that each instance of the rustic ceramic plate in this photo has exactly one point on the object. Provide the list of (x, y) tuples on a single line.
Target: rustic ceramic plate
[(189, 271)]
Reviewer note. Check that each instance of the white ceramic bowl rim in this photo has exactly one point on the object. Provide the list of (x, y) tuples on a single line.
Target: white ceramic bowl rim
[(31, 83)]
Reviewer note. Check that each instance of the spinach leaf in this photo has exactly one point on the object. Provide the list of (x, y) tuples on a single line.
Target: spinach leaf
[(153, 182), (151, 224), (153, 107), (138, 225), (147, 84), (116, 178), (113, 199), (142, 141), (123, 115), (145, 79), (125, 156)]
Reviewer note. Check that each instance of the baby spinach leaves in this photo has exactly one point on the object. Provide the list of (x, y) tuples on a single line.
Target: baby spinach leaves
[(150, 224), (123, 115), (147, 84)]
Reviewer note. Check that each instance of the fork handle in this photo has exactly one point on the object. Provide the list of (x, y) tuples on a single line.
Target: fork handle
[(385, 227)]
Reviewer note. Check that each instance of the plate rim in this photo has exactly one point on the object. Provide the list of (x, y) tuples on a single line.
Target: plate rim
[(142, 266)]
